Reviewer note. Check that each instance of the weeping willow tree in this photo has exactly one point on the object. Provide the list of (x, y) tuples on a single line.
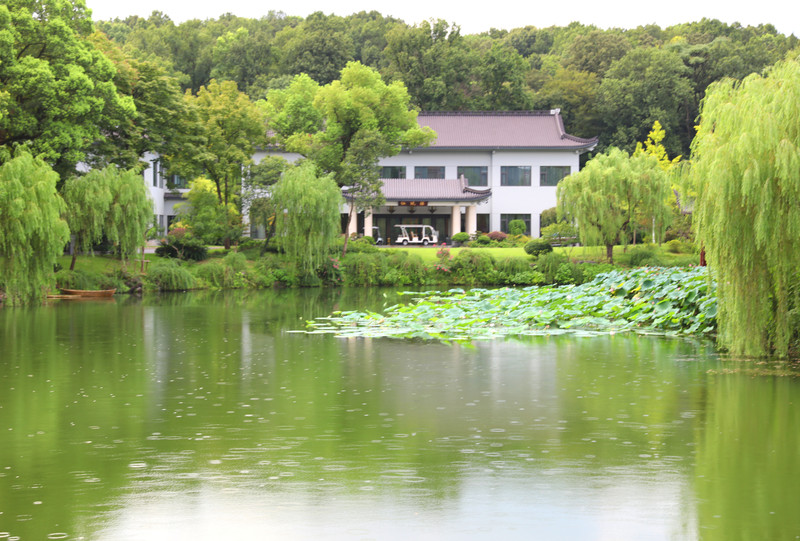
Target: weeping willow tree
[(610, 193), (130, 212), (109, 201), (32, 232), (88, 199), (307, 215), (746, 173)]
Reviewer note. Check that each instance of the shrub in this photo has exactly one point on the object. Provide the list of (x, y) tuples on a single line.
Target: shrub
[(560, 233), (81, 279), (355, 245), (516, 227), (169, 275), (461, 237), (643, 256), (470, 267), (548, 216), (679, 246), (236, 261), (549, 263), (363, 269), (181, 244), (537, 247), (527, 278), (497, 236), (482, 240), (278, 269), (404, 269)]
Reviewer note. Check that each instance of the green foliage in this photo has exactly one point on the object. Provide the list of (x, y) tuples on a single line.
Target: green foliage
[(536, 247), (307, 224), (644, 256), (88, 199), (182, 244), (461, 237), (670, 301), (59, 87), (516, 227), (83, 279), (549, 264), (130, 211), (746, 159), (611, 193), (482, 240), (678, 246), (206, 217), (32, 232), (561, 233), (169, 275), (362, 269), (404, 269), (229, 126), (473, 267)]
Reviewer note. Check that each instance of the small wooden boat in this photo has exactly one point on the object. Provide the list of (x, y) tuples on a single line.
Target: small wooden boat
[(89, 292)]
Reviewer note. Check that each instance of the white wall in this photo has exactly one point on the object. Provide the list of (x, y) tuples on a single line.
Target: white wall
[(533, 199)]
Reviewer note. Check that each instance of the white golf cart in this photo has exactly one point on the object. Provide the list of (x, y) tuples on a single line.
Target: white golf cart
[(417, 234)]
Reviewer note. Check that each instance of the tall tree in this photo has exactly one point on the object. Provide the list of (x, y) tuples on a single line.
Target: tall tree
[(307, 215), (644, 86), (32, 232), (607, 196), (433, 61), (501, 78), (319, 46), (230, 125), (59, 87), (88, 199), (746, 171)]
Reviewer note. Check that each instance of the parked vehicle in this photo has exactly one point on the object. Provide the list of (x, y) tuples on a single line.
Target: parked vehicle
[(376, 234), (416, 234)]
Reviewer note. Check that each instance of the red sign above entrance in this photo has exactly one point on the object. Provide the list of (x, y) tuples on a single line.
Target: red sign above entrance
[(412, 203)]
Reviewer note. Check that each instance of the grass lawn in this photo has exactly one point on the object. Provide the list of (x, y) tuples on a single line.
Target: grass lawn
[(575, 253)]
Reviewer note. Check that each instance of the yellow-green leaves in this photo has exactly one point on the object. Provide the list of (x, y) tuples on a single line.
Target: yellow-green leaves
[(746, 170)]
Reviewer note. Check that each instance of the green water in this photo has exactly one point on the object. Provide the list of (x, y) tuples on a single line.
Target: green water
[(201, 416)]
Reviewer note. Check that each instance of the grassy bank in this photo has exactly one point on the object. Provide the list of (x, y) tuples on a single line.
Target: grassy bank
[(364, 265)]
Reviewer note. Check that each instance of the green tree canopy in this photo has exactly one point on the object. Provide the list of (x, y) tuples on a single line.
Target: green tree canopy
[(32, 232), (230, 126), (59, 89), (306, 215), (610, 193), (646, 85), (746, 172)]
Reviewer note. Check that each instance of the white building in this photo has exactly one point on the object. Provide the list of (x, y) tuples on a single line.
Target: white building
[(484, 170)]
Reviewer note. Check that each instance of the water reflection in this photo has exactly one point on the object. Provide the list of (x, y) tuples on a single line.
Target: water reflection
[(204, 416)]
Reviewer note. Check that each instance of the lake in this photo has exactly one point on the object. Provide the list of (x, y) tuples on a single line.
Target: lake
[(203, 416)]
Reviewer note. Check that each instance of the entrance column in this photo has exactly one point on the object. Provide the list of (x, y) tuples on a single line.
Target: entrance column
[(352, 225), (368, 222), (455, 220), (472, 219)]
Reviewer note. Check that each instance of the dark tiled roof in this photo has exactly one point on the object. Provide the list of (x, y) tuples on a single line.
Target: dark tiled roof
[(513, 129), (407, 189)]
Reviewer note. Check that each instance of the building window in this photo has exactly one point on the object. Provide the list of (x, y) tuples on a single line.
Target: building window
[(176, 182), (550, 175), (393, 171), (155, 168), (475, 175), (436, 171), (515, 175), (506, 218)]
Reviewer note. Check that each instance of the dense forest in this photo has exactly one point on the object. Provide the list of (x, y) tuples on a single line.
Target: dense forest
[(74, 90), (612, 83)]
